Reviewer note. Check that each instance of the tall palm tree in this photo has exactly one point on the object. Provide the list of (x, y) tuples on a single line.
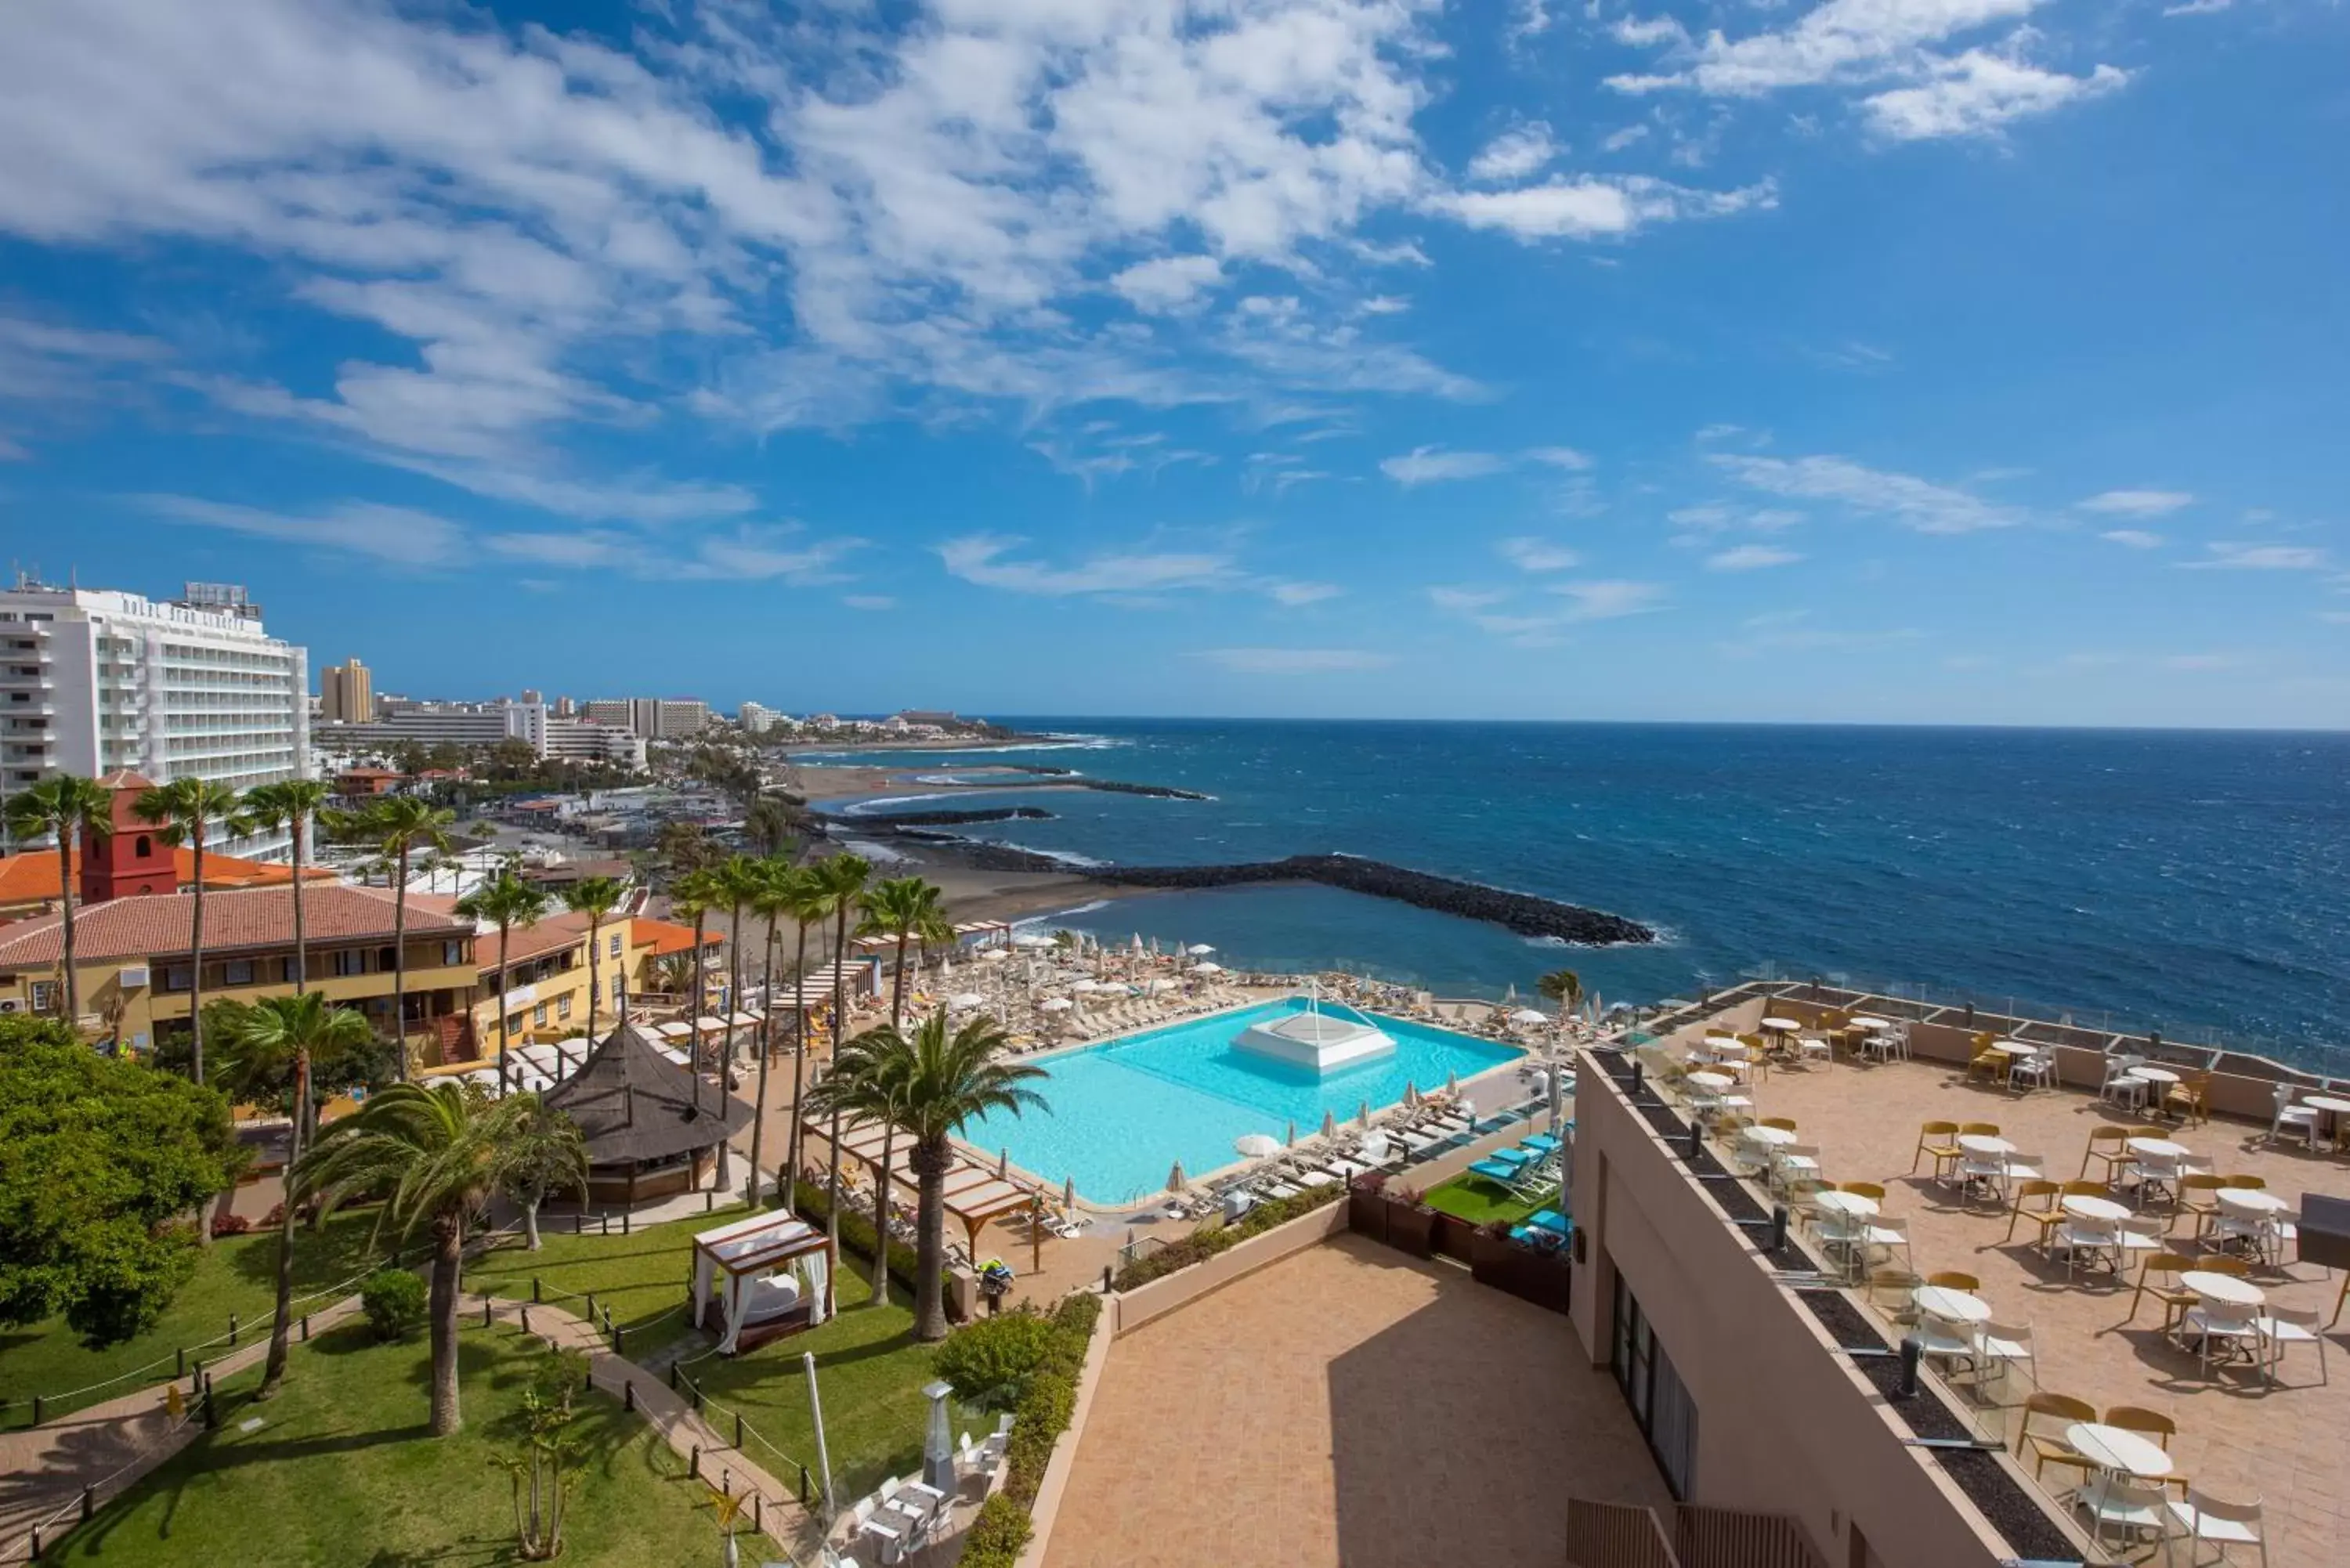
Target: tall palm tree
[(292, 804), (183, 811), (67, 807), (435, 1154), (940, 1081), (908, 908), (595, 898), (396, 828), (866, 1082), (505, 900), (738, 881), (693, 894), (545, 1153), (843, 879), (275, 1028), (809, 904), (1563, 986), (772, 899)]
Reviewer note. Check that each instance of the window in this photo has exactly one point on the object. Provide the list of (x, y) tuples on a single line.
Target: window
[(514, 1023), (349, 961), (387, 961), (289, 970), (452, 953), (43, 991), (615, 944), (179, 977), (563, 1005), (237, 972), (1652, 1385), (538, 1016), (143, 848)]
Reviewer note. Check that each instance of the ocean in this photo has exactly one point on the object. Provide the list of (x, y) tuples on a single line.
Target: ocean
[(2194, 882)]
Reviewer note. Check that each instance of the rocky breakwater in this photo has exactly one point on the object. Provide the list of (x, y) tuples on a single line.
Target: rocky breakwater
[(882, 820), (1520, 912)]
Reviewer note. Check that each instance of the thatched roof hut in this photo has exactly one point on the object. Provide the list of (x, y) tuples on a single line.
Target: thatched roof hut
[(636, 1107)]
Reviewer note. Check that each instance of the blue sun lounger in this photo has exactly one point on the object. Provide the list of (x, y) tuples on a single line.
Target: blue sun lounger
[(1496, 1170)]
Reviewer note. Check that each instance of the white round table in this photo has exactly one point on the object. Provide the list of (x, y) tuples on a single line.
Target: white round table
[(1853, 1205), (2327, 1103), (2015, 1048), (2089, 1208), (2118, 1448), (2224, 1288), (2158, 1149), (2153, 1075), (1985, 1143), (2254, 1203), (1714, 1081), (1770, 1138), (1788, 1025), (1951, 1305), (1869, 1020)]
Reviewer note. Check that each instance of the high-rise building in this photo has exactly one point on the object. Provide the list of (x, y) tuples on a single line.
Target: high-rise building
[(531, 695), (484, 725), (652, 718), (757, 718), (346, 693), (93, 681), (615, 711)]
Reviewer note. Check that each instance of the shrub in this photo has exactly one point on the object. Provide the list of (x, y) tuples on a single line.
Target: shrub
[(393, 1299), (1201, 1245), (1037, 1425), (856, 1230), (230, 1225), (991, 1361), (997, 1535)]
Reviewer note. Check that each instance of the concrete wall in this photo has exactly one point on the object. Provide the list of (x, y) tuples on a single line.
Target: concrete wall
[(1047, 1506), (1784, 1424), (1130, 1310)]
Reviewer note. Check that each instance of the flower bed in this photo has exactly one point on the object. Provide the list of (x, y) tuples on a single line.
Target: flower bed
[(1206, 1242)]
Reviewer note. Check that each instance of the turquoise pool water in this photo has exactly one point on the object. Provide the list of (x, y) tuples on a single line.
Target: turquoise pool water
[(1123, 1112)]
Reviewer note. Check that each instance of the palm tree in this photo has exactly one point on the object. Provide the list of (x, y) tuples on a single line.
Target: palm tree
[(694, 894), (64, 806), (771, 824), (545, 1153), (395, 827), (908, 908), (181, 811), (774, 899), (940, 1081), (843, 880), (595, 898), (506, 901), (292, 804), (273, 1028), (1563, 986), (737, 878), (809, 904), (435, 1154), (866, 1082)]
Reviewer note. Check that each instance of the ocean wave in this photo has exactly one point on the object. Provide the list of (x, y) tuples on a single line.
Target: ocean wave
[(1084, 908), (1066, 856), (876, 851)]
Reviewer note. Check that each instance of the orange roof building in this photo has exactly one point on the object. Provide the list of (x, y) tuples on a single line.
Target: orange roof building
[(29, 884)]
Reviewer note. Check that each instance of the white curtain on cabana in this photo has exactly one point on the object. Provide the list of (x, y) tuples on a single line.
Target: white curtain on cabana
[(741, 1263)]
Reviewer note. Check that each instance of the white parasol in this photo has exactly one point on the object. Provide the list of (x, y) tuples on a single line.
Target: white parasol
[(1200, 949), (1161, 983), (1528, 1016), (1256, 1146), (1175, 1182), (963, 1001), (1329, 1124), (1086, 987), (1069, 1193), (1055, 1005), (1452, 1085), (1363, 1116), (1411, 1096), (1207, 969)]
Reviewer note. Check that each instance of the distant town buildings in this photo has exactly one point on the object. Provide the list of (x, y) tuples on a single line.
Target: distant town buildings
[(652, 718), (346, 693), (95, 680), (757, 719), (483, 724)]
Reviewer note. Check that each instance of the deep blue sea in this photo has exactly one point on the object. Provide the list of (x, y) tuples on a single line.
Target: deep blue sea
[(2194, 882)]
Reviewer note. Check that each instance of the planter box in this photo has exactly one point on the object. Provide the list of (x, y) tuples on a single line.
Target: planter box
[(1530, 1275), (1410, 1228), (1366, 1214), (1453, 1237)]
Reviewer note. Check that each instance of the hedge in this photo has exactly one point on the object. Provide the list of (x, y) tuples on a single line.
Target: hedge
[(997, 1535), (856, 1230), (1205, 1244), (1046, 1399)]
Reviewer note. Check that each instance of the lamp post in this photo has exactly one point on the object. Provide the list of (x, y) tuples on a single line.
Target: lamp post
[(938, 1449)]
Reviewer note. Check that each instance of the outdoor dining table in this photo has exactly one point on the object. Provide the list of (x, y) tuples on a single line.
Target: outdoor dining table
[(2089, 1208), (1852, 1205), (1871, 1021), (2251, 1203), (2332, 1109), (1713, 1081), (2118, 1449), (2159, 1148), (2153, 1075), (1780, 1026), (1985, 1143), (1951, 1305), (1770, 1138), (2014, 1047), (2225, 1288)]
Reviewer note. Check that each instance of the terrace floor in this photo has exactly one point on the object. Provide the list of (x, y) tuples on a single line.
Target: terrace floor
[(2290, 1445), (1348, 1405)]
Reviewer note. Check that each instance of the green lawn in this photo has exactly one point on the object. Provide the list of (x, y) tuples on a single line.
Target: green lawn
[(869, 1371), (237, 1274), (1474, 1198), (340, 1471)]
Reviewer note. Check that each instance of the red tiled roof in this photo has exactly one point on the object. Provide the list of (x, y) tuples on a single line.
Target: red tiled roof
[(31, 876), (524, 943), (158, 926), (664, 937)]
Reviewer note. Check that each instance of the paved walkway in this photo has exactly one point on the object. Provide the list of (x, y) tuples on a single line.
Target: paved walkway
[(1346, 1406)]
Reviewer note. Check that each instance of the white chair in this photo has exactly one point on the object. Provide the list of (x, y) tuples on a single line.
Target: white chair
[(1795, 1162), (2038, 1071), (2119, 1086), (888, 1538), (1942, 1340), (2142, 1233), (2289, 1117), (2217, 1324), (1889, 1234), (2280, 1326), (1988, 1171), (2027, 1167), (2122, 1506), (1813, 1047), (2004, 1344), (2203, 1517), (2080, 1237), (1900, 1036)]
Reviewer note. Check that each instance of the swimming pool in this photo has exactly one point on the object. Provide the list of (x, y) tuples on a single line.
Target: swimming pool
[(1123, 1112)]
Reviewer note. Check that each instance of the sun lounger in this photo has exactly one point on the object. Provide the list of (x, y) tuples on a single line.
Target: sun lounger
[(1496, 1170)]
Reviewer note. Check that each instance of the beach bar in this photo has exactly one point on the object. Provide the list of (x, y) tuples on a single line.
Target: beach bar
[(650, 1134)]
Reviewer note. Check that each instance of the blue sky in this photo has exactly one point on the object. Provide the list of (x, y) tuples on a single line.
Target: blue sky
[(1964, 361)]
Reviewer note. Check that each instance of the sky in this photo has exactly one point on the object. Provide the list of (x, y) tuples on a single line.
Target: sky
[(1969, 361)]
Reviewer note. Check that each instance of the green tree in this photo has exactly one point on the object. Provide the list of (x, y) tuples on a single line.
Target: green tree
[(843, 879), (772, 899), (505, 900), (395, 827), (544, 1473), (773, 825), (67, 807), (595, 898), (435, 1156), (98, 1156), (295, 1028), (809, 904), (546, 1155), (292, 804), (909, 909), (1563, 986), (184, 810), (866, 1082), (940, 1081), (684, 849), (738, 881)]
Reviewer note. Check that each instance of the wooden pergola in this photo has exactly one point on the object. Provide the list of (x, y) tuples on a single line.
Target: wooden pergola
[(975, 1196)]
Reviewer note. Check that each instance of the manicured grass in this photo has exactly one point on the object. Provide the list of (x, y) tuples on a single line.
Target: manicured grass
[(869, 1371), (1480, 1202), (340, 1470), (236, 1274)]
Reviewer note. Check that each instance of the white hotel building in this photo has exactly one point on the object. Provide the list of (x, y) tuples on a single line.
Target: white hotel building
[(92, 681)]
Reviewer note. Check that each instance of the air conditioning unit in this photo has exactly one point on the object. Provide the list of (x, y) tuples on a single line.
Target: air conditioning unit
[(11, 1004), (133, 976)]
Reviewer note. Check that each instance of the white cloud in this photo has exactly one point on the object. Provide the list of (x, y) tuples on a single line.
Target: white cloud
[(2225, 556), (396, 535), (1515, 154), (1594, 206), (2136, 538), (1292, 660), (1465, 601), (1609, 599), (1433, 465), (1618, 141), (1750, 558), (1170, 283), (2137, 503), (1918, 504), (1977, 92), (1537, 554), (1302, 592), (1565, 457), (778, 553), (868, 601), (979, 558)]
